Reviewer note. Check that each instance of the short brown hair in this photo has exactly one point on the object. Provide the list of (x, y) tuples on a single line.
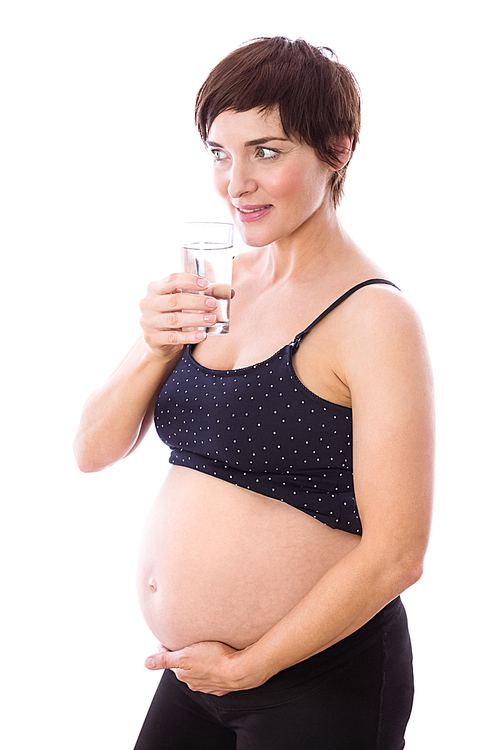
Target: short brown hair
[(317, 97)]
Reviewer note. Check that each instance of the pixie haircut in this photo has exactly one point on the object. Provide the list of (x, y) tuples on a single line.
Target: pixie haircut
[(317, 98)]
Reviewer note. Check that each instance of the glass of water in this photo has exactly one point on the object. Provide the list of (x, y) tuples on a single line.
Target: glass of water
[(207, 251)]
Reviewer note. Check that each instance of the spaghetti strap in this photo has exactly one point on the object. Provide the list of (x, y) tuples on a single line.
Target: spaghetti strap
[(298, 338)]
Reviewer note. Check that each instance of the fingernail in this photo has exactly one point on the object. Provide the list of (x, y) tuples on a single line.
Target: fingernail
[(203, 283), (150, 663), (200, 335), (211, 302), (209, 318)]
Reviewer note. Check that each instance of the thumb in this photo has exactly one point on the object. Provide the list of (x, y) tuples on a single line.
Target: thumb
[(163, 660)]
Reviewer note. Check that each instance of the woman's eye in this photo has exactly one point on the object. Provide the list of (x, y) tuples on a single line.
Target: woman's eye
[(266, 153), (218, 154)]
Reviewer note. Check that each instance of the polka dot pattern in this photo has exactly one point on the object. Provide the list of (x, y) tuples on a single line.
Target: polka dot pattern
[(260, 428)]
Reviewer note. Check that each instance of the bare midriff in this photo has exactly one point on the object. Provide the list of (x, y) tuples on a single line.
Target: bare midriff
[(219, 562)]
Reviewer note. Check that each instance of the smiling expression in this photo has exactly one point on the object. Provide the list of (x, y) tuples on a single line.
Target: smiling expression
[(273, 185)]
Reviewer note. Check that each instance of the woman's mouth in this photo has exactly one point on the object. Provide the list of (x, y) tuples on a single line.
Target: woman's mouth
[(252, 213)]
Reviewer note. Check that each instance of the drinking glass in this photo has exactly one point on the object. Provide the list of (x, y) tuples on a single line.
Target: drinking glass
[(207, 251)]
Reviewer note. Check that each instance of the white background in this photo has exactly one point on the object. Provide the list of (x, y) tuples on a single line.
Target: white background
[(99, 162)]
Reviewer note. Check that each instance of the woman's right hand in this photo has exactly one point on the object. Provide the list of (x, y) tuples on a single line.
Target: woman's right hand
[(171, 304)]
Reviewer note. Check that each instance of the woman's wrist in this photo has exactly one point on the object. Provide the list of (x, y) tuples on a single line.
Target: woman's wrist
[(161, 357), (249, 669)]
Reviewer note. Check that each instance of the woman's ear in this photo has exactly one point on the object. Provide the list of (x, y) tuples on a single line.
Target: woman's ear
[(342, 150)]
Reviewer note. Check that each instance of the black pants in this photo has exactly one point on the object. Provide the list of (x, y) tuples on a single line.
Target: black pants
[(355, 695)]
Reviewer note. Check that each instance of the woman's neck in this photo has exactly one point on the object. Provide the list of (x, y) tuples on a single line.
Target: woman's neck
[(318, 246)]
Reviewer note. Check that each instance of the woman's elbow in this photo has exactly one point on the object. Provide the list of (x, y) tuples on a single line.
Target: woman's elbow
[(89, 467), (396, 569), (87, 458), (413, 572), (406, 571)]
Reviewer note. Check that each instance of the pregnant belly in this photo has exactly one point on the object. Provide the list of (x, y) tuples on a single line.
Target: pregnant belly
[(219, 562)]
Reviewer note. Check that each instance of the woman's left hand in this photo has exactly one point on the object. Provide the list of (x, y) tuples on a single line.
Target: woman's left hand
[(206, 667)]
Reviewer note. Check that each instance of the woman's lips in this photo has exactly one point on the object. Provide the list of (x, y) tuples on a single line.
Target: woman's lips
[(252, 213)]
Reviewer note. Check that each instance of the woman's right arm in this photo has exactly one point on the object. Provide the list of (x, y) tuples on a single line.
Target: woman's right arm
[(117, 416)]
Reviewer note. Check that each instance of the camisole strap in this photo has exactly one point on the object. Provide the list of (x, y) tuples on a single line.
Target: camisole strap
[(298, 338)]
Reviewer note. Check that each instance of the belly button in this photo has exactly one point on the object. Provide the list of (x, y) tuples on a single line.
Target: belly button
[(152, 584)]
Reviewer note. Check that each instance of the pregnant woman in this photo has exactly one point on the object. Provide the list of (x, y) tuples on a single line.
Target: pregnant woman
[(297, 505)]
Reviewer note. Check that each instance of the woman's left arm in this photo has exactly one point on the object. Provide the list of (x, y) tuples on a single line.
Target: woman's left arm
[(386, 367)]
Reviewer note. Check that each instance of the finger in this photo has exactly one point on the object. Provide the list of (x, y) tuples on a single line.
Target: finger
[(185, 321), (177, 301), (157, 339), (156, 326), (155, 662), (164, 660), (220, 291), (175, 281)]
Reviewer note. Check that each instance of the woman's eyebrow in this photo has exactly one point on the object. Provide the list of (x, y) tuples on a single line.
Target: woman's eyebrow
[(256, 142), (260, 141)]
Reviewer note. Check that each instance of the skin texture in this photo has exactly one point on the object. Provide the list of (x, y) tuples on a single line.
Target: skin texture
[(370, 355), (221, 563)]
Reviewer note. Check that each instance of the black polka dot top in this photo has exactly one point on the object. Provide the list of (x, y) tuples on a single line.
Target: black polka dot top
[(260, 428)]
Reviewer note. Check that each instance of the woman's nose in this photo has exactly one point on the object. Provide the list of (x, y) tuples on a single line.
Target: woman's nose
[(241, 181)]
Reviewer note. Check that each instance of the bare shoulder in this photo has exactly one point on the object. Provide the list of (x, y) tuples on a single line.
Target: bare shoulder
[(379, 312), (382, 336)]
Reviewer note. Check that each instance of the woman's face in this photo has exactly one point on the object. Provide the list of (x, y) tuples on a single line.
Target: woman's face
[(272, 185)]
